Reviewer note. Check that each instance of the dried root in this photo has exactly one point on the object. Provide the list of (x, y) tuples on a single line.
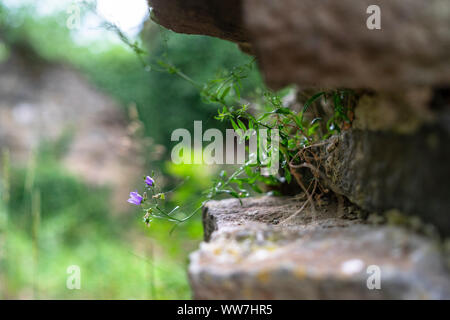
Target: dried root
[(311, 160)]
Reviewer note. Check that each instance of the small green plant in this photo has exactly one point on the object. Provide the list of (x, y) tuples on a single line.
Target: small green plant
[(297, 136), (298, 132)]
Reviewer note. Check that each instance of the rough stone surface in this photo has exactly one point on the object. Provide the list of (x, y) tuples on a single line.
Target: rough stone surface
[(262, 250), (222, 19), (380, 171), (326, 43), (400, 112), (394, 159)]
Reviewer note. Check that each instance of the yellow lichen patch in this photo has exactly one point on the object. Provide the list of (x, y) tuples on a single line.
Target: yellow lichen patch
[(271, 247), (247, 292), (263, 276), (300, 272), (232, 252), (228, 285)]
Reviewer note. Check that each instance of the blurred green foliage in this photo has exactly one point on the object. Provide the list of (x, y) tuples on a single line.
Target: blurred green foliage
[(109, 267), (166, 102), (118, 256)]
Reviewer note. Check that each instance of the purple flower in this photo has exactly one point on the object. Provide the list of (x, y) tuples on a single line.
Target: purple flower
[(149, 181), (135, 198)]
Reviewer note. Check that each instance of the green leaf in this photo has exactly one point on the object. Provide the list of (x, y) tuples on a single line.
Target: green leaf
[(241, 125), (313, 129), (237, 91), (282, 111), (234, 194), (225, 93), (311, 101), (256, 188), (248, 171), (250, 123), (287, 175), (235, 126)]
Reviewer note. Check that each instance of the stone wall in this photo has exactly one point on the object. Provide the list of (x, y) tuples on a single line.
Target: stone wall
[(326, 43), (265, 249), (392, 164)]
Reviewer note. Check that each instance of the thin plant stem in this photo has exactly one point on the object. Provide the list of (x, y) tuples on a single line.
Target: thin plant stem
[(36, 220), (4, 207)]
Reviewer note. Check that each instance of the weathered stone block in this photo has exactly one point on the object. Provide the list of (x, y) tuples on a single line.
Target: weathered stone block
[(264, 250), (327, 43), (383, 170), (222, 19)]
